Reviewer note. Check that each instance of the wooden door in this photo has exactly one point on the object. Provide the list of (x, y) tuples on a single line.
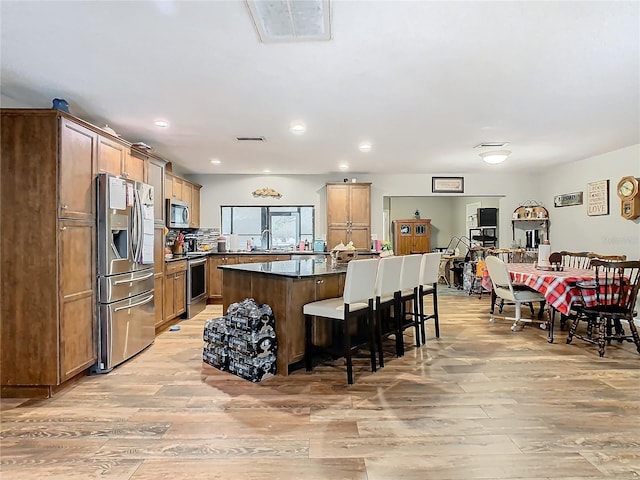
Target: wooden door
[(169, 301), (360, 205), (77, 170), (177, 186), (421, 236), (158, 294), (361, 238), (155, 178), (133, 166), (187, 189), (337, 234), (110, 156), (180, 293), (337, 205), (194, 221), (77, 299)]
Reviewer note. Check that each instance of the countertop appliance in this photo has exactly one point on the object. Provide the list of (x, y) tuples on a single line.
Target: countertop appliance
[(178, 214), (125, 270)]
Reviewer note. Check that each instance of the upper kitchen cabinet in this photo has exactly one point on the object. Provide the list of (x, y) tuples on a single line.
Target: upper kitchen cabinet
[(115, 157), (155, 178), (49, 298), (186, 191), (349, 214)]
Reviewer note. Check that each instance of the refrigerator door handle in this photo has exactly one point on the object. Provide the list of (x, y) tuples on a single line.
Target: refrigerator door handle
[(131, 280), (146, 300)]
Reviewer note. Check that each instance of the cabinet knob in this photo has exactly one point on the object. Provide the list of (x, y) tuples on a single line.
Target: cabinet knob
[(62, 229), (64, 207), (319, 282)]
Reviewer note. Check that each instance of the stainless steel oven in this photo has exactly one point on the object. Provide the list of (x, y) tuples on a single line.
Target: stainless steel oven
[(196, 285)]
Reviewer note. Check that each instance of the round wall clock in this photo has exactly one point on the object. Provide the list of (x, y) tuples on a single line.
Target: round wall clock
[(629, 192)]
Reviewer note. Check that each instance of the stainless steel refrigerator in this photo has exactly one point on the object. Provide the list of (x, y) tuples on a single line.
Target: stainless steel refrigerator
[(125, 270)]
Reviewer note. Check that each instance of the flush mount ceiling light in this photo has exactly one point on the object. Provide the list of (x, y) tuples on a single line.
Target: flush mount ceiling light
[(495, 156), (291, 20), (364, 147), (161, 123), (297, 128)]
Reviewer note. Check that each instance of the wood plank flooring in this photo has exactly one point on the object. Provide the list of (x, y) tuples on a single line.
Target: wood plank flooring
[(481, 402)]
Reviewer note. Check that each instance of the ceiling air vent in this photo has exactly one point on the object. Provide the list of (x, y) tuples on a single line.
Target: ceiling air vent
[(251, 139), (492, 145), (291, 20)]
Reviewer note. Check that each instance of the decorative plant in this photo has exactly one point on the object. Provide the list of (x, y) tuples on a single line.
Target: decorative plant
[(386, 245)]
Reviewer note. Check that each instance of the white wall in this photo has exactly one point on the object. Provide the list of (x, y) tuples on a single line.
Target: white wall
[(570, 227)]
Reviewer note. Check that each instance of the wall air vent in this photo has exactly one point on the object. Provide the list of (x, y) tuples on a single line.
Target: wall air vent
[(492, 145), (251, 139)]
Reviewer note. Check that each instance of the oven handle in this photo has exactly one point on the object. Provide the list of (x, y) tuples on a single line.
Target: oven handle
[(146, 300), (197, 262), (131, 280)]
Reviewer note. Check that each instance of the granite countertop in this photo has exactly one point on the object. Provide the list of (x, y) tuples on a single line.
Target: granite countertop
[(290, 268), (184, 256)]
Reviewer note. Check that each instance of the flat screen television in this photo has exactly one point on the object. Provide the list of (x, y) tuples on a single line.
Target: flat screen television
[(487, 217)]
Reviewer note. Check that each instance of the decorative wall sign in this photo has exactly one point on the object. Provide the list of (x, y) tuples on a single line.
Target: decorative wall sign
[(266, 192), (567, 199), (447, 184), (598, 198)]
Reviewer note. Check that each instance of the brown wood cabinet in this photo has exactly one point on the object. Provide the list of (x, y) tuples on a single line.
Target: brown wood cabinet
[(349, 214), (155, 178), (115, 157), (175, 289), (286, 296), (185, 191), (48, 285), (411, 236)]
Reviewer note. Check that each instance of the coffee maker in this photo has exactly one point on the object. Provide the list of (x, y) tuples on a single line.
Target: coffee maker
[(532, 238)]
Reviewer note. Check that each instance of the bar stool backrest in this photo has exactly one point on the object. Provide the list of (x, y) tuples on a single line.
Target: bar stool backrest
[(410, 277), (388, 279), (429, 268), (360, 283)]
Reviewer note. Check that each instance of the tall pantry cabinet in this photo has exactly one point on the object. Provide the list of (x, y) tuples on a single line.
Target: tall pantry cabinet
[(47, 250), (349, 214)]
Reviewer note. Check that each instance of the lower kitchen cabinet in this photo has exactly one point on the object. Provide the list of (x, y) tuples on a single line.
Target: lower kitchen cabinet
[(158, 297), (215, 275), (175, 289)]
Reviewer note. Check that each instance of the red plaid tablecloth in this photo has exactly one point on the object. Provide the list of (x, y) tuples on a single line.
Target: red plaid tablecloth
[(558, 288)]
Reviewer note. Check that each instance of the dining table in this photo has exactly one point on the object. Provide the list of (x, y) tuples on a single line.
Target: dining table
[(558, 286)]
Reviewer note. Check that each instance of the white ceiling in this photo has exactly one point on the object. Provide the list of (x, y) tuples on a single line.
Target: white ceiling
[(423, 81)]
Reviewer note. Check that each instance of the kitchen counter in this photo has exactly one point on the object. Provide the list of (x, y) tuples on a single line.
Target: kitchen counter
[(286, 286)]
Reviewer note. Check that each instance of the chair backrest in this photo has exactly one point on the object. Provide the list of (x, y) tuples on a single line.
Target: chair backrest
[(410, 277), (499, 274), (429, 268), (360, 283), (617, 284), (556, 257), (611, 258), (388, 279), (575, 259)]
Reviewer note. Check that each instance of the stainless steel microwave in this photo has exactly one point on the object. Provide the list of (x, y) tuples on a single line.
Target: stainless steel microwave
[(177, 214)]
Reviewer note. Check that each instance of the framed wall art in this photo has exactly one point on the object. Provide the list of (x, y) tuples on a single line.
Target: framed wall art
[(598, 198), (447, 184)]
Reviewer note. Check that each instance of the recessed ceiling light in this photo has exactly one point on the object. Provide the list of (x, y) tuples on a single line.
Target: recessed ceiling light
[(297, 128), (364, 147), (161, 123), (215, 161), (343, 166), (266, 170)]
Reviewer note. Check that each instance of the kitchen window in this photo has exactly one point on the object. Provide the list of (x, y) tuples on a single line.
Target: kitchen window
[(273, 227)]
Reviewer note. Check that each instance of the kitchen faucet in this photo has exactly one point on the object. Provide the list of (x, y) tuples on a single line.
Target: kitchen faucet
[(268, 232)]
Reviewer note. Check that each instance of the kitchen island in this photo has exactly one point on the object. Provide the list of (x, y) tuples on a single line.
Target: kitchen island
[(286, 286)]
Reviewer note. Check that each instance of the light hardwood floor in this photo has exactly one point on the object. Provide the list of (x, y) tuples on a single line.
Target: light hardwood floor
[(481, 402)]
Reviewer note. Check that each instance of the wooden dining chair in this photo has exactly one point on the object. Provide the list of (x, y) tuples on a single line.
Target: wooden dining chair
[(607, 301), (507, 290), (575, 259), (356, 303), (611, 258)]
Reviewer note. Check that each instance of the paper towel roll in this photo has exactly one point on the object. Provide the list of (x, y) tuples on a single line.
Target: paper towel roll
[(543, 255), (233, 242)]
